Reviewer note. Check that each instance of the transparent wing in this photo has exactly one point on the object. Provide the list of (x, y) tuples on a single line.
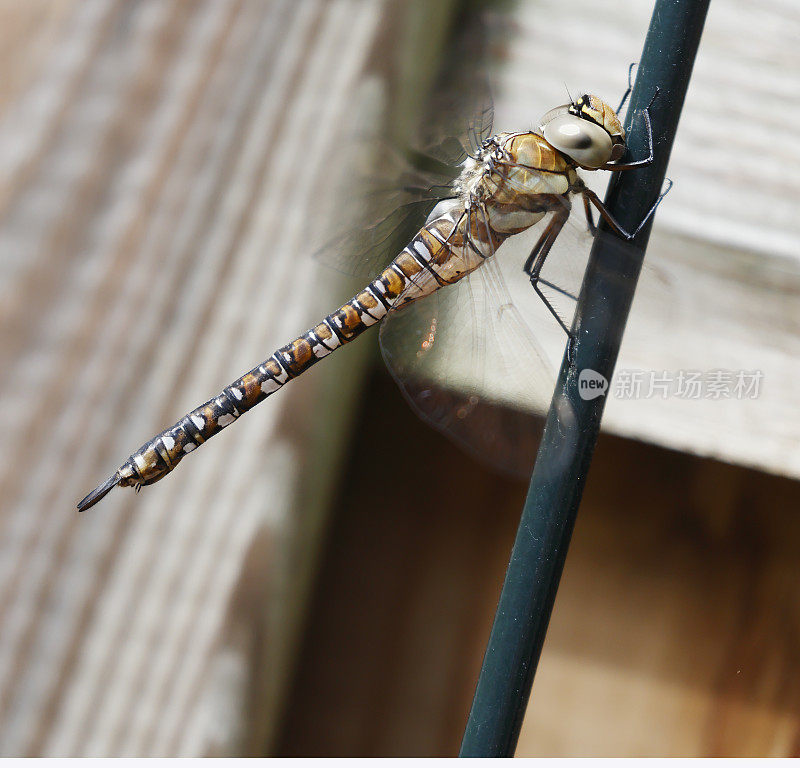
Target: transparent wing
[(449, 354), (452, 135), (460, 112), (478, 359), (380, 220), (388, 188), (397, 193), (465, 358)]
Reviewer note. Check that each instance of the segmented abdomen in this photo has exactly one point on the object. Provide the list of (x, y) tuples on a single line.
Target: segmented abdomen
[(159, 456), (418, 267)]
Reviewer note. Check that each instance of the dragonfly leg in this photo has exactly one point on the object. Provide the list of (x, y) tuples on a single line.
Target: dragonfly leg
[(587, 209), (647, 160), (628, 89), (535, 262), (591, 197)]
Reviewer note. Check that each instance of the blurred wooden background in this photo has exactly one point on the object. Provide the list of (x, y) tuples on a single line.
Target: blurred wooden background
[(675, 631), (159, 163)]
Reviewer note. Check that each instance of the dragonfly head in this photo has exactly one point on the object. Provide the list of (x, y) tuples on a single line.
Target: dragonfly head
[(587, 131)]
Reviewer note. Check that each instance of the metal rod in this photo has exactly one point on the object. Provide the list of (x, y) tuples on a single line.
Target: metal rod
[(573, 423)]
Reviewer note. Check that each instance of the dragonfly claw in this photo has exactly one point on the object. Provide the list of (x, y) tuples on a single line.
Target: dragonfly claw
[(571, 350)]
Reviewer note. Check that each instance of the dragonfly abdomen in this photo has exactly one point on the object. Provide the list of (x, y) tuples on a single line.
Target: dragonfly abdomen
[(160, 455), (413, 268)]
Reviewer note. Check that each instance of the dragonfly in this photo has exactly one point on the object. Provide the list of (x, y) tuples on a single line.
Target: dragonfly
[(504, 184)]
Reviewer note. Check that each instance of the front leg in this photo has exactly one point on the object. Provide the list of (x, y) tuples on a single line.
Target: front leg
[(628, 89), (647, 160)]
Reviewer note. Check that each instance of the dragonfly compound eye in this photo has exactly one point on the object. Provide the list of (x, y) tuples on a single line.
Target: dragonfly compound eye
[(584, 142)]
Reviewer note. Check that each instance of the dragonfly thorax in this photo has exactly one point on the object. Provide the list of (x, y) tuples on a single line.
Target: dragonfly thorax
[(514, 169), (476, 183)]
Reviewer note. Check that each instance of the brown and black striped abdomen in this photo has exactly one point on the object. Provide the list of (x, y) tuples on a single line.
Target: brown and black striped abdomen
[(159, 456)]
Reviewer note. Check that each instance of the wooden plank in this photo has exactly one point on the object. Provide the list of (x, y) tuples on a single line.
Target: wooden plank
[(673, 629), (160, 162)]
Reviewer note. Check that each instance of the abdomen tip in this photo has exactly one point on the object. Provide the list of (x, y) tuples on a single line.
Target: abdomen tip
[(98, 493)]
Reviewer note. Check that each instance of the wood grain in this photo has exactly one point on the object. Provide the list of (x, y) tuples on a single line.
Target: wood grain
[(152, 216), (674, 631)]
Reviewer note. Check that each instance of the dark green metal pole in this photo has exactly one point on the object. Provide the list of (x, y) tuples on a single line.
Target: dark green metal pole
[(573, 423)]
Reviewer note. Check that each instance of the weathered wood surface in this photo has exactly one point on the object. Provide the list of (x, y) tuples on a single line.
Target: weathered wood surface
[(675, 627), (674, 632), (158, 164)]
